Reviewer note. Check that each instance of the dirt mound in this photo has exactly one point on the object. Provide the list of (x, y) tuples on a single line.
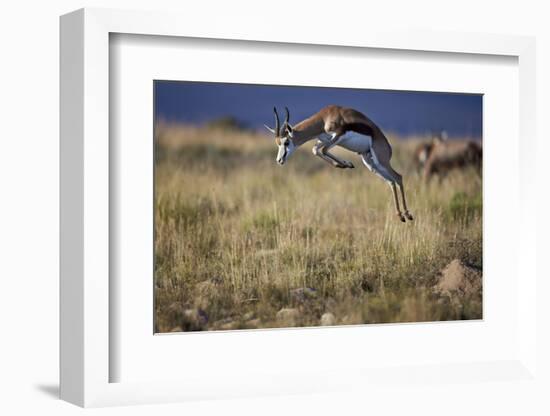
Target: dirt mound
[(328, 319), (459, 279), (288, 316)]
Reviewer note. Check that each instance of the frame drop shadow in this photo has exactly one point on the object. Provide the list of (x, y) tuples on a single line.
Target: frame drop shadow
[(51, 390)]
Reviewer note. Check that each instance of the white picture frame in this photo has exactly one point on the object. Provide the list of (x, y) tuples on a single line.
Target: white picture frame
[(85, 353)]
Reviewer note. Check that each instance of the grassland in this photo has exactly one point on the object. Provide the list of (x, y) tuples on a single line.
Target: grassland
[(241, 242)]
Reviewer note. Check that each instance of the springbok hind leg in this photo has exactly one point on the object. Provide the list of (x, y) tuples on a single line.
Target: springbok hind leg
[(399, 180), (370, 161), (406, 212), (396, 200)]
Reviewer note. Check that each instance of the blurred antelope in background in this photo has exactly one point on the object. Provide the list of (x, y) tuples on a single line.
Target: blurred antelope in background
[(348, 128), (442, 155)]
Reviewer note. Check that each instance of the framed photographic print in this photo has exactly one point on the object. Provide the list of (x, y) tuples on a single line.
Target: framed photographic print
[(286, 213), (241, 243)]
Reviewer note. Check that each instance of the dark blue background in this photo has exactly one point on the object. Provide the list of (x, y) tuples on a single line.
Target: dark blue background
[(401, 112)]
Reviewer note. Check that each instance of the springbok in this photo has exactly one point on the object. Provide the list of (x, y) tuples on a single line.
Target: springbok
[(442, 155), (348, 128), (421, 154)]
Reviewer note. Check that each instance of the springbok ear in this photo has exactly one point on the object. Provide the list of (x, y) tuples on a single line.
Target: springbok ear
[(270, 129)]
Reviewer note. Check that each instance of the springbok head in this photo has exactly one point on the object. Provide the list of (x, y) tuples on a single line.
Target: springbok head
[(440, 137), (283, 137)]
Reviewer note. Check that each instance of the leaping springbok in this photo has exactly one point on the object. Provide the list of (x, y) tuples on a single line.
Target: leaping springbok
[(347, 128)]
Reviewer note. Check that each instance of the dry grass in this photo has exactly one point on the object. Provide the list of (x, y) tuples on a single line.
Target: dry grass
[(238, 238)]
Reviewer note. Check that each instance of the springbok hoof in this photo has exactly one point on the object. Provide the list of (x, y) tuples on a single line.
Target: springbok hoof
[(350, 165), (401, 217), (409, 216)]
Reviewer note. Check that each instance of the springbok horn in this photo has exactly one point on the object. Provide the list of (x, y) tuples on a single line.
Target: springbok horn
[(277, 122), (287, 114)]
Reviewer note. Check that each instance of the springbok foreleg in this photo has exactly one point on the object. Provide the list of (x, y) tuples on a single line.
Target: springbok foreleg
[(317, 151), (322, 150)]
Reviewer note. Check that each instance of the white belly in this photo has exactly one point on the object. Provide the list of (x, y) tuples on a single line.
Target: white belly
[(351, 141), (356, 142)]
